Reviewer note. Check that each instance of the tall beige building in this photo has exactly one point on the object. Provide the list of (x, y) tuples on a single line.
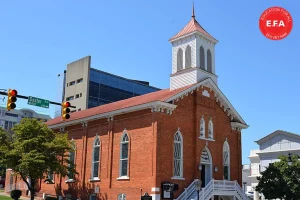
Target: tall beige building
[(86, 87)]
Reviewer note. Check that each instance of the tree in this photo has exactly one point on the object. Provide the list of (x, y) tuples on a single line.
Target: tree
[(271, 183), (280, 180), (34, 151)]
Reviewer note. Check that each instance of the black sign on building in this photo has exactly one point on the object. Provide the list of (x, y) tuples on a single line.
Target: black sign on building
[(146, 197), (168, 190)]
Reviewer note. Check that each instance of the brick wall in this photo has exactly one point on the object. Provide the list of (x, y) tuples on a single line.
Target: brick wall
[(151, 136), (187, 117)]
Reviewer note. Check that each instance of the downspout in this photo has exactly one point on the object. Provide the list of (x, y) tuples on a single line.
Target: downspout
[(110, 128), (85, 153), (240, 156)]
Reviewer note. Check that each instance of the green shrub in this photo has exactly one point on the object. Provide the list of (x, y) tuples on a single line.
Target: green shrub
[(15, 194)]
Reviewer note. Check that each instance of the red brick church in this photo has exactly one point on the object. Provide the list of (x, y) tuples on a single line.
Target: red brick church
[(159, 142)]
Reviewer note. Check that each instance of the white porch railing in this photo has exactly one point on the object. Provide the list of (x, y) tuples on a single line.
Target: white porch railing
[(16, 186), (222, 187), (240, 191), (187, 191), (206, 192)]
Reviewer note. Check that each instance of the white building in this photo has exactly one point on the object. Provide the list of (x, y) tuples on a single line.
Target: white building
[(246, 179), (9, 118), (270, 148)]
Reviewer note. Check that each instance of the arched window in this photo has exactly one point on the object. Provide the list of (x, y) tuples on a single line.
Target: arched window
[(72, 159), (124, 149), (202, 127), (205, 157), (179, 59), (210, 129), (209, 61), (188, 57), (202, 58), (121, 196), (178, 151), (226, 160), (96, 158)]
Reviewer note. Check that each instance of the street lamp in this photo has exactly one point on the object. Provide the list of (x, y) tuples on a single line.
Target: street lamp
[(290, 159), (244, 183), (198, 184)]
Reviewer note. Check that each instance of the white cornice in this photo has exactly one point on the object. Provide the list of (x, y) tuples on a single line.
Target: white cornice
[(193, 69), (278, 151), (238, 126), (156, 106)]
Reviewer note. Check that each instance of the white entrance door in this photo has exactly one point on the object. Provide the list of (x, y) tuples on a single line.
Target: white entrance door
[(205, 167)]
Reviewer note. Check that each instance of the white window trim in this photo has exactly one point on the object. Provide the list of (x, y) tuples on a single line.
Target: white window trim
[(188, 55), (226, 144), (123, 178), (210, 128), (181, 155), (120, 161), (209, 61), (202, 123), (179, 53), (70, 180), (94, 179), (122, 197), (93, 161), (177, 178), (202, 58), (208, 139)]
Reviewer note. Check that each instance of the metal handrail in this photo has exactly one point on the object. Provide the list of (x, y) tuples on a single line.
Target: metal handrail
[(187, 191)]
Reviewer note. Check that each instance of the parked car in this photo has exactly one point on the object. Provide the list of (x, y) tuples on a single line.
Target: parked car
[(2, 183), (250, 194)]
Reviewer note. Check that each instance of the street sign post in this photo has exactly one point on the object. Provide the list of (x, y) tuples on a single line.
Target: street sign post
[(38, 102)]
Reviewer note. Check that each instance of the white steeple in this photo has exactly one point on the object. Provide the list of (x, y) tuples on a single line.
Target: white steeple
[(193, 55)]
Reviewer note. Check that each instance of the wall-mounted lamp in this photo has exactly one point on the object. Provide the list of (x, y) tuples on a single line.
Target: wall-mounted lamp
[(216, 169), (200, 167)]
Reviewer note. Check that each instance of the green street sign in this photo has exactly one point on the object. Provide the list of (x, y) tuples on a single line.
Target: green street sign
[(38, 102)]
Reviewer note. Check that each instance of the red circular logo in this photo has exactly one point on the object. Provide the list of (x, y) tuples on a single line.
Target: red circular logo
[(275, 23)]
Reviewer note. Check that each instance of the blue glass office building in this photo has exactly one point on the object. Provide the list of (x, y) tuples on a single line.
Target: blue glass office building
[(106, 88)]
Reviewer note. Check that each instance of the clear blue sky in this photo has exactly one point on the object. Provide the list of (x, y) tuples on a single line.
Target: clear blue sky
[(130, 38)]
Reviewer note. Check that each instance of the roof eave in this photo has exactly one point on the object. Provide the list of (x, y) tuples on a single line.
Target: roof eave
[(209, 81), (241, 125), (277, 132), (153, 105), (174, 39)]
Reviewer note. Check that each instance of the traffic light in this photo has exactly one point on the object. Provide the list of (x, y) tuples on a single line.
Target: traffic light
[(11, 99), (65, 110)]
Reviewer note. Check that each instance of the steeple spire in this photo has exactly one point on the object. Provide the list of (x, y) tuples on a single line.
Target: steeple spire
[(193, 11)]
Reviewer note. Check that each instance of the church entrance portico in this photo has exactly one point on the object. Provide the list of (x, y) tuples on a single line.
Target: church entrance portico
[(205, 167)]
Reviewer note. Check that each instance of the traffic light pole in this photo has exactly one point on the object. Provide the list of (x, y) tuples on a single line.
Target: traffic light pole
[(25, 97)]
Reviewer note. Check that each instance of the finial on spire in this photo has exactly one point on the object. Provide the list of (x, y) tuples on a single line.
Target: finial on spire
[(193, 11)]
